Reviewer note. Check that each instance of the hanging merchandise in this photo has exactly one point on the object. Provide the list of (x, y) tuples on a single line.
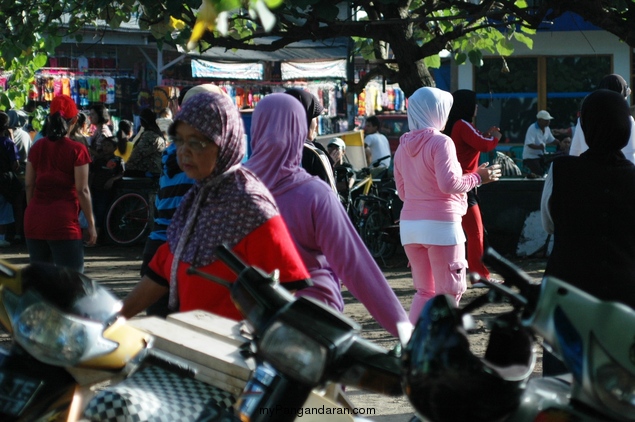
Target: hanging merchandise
[(82, 64), (361, 103), (57, 87), (82, 82), (34, 92), (110, 90), (66, 86), (377, 98), (48, 90)]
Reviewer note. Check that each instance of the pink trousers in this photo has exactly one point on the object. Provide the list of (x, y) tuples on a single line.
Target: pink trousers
[(435, 270)]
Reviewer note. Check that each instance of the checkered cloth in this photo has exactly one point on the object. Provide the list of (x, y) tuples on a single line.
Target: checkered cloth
[(156, 395)]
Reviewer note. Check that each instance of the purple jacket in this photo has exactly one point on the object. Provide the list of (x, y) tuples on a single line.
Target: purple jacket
[(326, 239)]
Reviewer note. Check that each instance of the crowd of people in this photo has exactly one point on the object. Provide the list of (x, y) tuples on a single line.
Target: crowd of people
[(59, 182), (211, 195)]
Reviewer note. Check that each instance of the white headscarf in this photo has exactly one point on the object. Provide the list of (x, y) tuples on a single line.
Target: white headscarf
[(429, 108)]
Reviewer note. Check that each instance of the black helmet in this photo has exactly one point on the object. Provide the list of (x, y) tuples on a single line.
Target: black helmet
[(446, 382)]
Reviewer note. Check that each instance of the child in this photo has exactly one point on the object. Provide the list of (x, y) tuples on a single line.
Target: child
[(104, 171)]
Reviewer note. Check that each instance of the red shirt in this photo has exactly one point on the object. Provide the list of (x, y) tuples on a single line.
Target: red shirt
[(469, 145), (52, 213), (269, 247)]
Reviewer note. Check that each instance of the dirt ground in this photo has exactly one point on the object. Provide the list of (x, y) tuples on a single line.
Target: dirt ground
[(118, 267)]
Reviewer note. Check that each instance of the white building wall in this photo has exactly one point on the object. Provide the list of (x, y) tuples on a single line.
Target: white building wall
[(561, 43)]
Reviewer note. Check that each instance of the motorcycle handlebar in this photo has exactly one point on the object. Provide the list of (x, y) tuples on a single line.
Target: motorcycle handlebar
[(230, 259)]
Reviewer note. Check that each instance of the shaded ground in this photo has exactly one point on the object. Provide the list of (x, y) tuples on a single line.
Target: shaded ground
[(118, 269)]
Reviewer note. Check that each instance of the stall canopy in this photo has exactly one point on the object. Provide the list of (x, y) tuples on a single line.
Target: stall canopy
[(299, 60)]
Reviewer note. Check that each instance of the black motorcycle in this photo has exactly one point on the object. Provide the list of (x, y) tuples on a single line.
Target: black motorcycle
[(446, 382)]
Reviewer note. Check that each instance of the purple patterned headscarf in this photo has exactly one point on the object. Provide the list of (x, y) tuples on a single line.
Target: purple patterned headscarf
[(278, 131), (225, 206)]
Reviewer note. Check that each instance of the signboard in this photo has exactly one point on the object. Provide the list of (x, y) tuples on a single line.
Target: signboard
[(207, 69), (319, 69)]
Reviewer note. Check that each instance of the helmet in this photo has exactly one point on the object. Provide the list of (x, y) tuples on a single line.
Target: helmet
[(445, 381)]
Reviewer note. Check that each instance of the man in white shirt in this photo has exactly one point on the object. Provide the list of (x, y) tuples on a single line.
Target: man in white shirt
[(376, 143), (537, 138)]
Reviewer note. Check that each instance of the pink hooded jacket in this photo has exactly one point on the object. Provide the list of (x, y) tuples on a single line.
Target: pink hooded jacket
[(427, 172)]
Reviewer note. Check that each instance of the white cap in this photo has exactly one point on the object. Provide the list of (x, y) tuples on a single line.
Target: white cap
[(339, 142), (544, 115)]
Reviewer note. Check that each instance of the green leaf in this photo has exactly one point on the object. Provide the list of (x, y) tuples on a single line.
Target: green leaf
[(460, 58), (476, 57), (5, 101), (504, 47), (225, 5), (433, 61), (51, 43), (40, 60), (524, 39), (273, 4), (115, 21)]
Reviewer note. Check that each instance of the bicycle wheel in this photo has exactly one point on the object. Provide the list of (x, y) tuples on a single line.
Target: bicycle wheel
[(372, 231), (128, 219)]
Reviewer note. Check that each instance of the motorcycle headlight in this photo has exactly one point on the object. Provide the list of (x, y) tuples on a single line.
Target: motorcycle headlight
[(614, 384), (52, 336), (293, 353)]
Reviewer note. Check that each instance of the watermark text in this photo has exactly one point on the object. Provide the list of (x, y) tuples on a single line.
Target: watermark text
[(319, 410)]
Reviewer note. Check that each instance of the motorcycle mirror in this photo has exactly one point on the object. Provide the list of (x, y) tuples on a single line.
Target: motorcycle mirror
[(404, 331), (513, 276)]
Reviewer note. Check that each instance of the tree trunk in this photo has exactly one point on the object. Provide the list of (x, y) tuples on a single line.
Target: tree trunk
[(413, 75)]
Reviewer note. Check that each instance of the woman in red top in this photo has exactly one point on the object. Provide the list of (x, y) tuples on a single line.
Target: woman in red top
[(56, 188), (469, 145), (227, 205)]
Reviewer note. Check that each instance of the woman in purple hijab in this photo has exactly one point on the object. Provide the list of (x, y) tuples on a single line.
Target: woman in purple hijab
[(330, 247)]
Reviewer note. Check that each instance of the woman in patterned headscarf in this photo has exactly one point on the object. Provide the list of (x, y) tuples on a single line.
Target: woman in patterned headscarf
[(227, 205)]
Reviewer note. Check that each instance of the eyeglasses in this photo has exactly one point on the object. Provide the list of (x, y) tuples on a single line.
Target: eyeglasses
[(192, 143)]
